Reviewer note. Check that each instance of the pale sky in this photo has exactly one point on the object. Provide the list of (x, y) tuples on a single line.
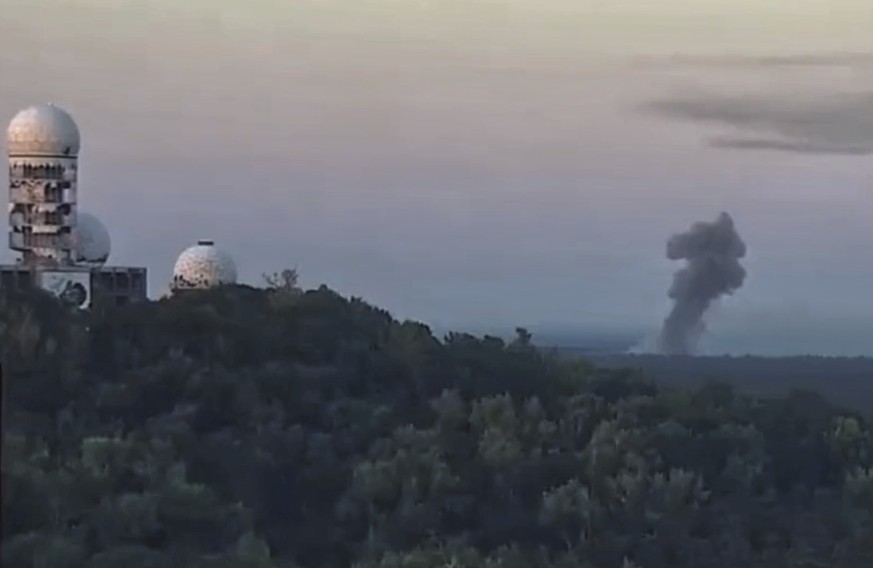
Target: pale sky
[(477, 163)]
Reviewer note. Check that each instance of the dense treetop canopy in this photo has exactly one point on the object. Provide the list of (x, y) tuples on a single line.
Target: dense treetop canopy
[(243, 427)]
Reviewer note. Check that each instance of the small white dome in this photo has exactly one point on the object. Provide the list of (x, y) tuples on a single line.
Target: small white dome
[(203, 266), (43, 130), (91, 240)]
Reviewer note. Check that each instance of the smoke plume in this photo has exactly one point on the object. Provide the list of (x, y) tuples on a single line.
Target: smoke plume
[(711, 252)]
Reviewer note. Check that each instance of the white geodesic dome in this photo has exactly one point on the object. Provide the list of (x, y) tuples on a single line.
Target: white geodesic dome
[(43, 131), (203, 266), (91, 240)]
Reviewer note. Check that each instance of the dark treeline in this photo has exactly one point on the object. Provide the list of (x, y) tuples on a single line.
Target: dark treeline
[(263, 428), (845, 381)]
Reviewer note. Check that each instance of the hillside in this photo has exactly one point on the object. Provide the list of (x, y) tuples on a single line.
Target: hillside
[(275, 428)]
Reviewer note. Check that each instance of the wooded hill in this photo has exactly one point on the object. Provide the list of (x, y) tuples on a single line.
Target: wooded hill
[(246, 427)]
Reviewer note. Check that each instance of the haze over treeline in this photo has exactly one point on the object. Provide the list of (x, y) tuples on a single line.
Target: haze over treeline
[(769, 333)]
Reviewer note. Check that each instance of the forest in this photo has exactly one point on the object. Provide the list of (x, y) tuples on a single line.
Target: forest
[(277, 427), (846, 381)]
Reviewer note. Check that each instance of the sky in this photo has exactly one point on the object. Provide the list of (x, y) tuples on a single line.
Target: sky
[(479, 164)]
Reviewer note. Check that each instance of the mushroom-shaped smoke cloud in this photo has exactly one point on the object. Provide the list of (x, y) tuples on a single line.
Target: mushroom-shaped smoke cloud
[(712, 252)]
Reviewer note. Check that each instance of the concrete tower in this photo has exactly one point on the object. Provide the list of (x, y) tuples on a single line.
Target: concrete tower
[(43, 144)]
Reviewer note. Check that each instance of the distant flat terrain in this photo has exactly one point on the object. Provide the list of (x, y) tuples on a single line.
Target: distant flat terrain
[(845, 381)]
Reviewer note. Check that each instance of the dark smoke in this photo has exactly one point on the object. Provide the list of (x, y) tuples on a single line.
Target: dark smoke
[(712, 252)]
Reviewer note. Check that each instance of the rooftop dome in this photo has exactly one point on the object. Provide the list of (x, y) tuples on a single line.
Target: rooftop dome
[(91, 240), (43, 130), (203, 266)]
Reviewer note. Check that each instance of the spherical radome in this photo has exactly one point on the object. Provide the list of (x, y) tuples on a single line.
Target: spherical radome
[(43, 130), (91, 239), (203, 266)]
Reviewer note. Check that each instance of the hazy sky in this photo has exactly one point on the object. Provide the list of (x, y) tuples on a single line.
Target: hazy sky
[(476, 162)]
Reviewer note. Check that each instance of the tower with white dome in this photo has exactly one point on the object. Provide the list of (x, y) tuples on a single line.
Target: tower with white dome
[(203, 266), (60, 249), (43, 145)]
